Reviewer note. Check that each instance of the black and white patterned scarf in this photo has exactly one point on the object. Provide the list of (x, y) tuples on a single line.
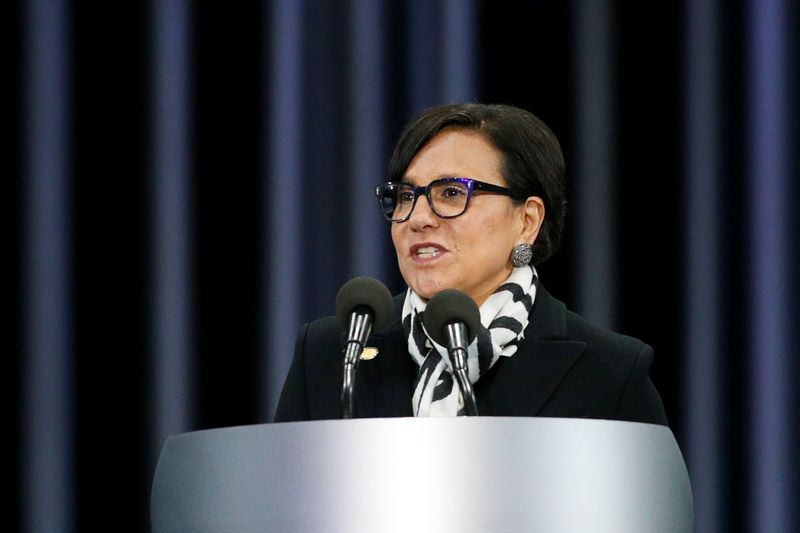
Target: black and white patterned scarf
[(504, 317)]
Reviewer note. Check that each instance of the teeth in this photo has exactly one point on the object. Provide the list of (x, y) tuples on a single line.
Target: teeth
[(428, 252)]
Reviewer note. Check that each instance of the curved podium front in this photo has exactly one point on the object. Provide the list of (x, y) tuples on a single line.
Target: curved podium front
[(465, 474)]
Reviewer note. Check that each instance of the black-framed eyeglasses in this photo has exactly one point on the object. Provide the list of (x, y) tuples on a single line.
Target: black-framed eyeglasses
[(447, 197)]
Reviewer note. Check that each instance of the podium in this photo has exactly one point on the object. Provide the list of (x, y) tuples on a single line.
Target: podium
[(460, 474)]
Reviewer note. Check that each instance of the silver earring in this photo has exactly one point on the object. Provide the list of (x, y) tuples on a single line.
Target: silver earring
[(521, 255)]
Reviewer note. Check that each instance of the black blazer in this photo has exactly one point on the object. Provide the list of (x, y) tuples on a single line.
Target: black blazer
[(565, 367)]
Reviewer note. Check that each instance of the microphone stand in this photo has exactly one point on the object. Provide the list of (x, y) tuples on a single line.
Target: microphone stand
[(360, 327), (457, 337)]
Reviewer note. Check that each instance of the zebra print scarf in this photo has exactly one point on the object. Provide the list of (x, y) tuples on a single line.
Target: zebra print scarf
[(504, 317)]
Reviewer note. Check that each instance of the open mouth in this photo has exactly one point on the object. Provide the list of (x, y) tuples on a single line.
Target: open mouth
[(427, 252)]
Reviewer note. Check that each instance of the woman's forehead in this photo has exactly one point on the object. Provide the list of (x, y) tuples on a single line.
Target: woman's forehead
[(455, 153)]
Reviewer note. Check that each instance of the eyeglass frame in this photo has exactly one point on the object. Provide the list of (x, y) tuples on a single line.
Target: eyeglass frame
[(419, 190)]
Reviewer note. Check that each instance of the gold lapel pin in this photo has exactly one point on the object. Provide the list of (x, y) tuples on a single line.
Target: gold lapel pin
[(369, 353)]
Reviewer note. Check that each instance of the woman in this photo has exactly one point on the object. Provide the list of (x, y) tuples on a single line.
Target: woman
[(476, 199)]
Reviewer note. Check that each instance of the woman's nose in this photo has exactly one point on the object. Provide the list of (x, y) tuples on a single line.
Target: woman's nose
[(422, 216)]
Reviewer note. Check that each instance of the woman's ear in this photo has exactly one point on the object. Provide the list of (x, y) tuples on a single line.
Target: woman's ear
[(532, 214)]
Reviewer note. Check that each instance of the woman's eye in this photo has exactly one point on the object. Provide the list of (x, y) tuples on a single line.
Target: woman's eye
[(405, 197), (452, 192)]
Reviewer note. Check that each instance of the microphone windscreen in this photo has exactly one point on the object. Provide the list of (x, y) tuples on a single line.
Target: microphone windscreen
[(446, 307), (365, 292)]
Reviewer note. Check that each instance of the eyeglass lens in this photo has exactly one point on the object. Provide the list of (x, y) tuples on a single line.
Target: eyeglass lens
[(447, 199)]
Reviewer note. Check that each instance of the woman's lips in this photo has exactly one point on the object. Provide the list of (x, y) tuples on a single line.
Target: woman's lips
[(426, 252)]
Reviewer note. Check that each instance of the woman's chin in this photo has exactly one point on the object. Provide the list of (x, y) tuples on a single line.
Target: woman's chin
[(427, 290)]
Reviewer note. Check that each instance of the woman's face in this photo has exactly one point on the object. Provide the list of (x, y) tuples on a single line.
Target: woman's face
[(470, 252)]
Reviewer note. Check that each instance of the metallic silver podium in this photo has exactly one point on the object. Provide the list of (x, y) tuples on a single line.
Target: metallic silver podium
[(465, 474)]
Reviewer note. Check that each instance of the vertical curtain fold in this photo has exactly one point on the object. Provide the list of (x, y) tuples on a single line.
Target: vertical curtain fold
[(171, 232), (771, 280), (282, 194), (367, 136), (701, 411), (459, 73), (594, 167), (423, 50), (48, 416)]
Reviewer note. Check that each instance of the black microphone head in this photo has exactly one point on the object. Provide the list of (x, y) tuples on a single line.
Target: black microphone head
[(446, 307), (365, 292)]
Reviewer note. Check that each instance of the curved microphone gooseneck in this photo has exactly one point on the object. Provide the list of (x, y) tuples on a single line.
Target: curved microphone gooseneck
[(362, 303), (453, 320)]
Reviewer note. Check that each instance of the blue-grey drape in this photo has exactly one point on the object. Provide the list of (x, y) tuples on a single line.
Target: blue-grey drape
[(187, 183)]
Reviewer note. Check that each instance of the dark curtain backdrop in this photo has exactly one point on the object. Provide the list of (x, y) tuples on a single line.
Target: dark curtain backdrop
[(185, 183)]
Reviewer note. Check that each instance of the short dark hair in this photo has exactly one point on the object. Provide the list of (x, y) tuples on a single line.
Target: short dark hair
[(532, 161)]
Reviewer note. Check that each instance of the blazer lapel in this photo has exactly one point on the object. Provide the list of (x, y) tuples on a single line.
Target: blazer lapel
[(520, 385), (384, 383)]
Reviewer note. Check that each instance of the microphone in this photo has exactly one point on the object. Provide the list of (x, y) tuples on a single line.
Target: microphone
[(362, 303), (453, 320)]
